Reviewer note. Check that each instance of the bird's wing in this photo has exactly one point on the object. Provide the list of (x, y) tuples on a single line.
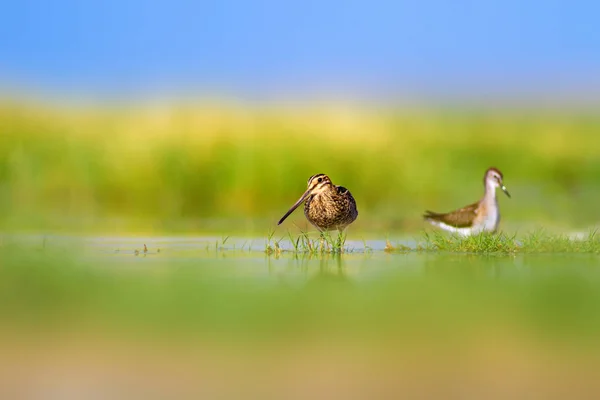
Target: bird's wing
[(461, 218), (341, 190)]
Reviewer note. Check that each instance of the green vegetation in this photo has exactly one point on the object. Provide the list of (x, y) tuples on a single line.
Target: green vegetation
[(325, 243), (484, 243), (229, 169), (535, 242)]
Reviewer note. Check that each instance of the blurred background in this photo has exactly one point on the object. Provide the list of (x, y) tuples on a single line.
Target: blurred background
[(133, 123), (208, 118)]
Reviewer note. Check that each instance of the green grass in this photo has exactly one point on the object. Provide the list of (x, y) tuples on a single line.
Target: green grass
[(534, 242), (222, 169), (304, 244)]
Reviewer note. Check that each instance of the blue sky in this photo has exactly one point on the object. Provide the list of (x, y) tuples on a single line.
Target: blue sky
[(252, 46)]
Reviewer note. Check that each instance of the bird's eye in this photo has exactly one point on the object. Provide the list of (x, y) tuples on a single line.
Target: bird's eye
[(320, 180)]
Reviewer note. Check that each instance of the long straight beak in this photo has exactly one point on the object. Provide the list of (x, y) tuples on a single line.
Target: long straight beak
[(296, 204), (505, 191)]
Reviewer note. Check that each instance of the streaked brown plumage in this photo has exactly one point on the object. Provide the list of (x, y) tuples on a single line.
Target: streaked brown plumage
[(327, 206), (483, 215)]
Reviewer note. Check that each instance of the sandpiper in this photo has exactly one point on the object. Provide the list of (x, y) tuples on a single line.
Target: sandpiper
[(327, 206), (482, 216)]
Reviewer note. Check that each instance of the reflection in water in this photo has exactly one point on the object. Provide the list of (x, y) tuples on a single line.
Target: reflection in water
[(469, 266), (331, 271), (319, 269)]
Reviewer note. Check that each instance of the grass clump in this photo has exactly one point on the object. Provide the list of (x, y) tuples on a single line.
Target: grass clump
[(542, 242), (484, 243), (502, 243), (396, 248), (304, 244)]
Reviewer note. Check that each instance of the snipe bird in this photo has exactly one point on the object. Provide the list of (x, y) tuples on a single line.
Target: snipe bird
[(327, 206), (482, 216)]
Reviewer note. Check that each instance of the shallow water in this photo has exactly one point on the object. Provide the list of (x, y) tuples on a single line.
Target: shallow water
[(128, 244), (363, 320), (362, 260)]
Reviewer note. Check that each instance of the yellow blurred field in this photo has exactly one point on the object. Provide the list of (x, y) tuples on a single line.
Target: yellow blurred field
[(227, 168)]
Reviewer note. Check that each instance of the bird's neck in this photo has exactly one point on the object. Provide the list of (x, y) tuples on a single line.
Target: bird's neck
[(490, 193)]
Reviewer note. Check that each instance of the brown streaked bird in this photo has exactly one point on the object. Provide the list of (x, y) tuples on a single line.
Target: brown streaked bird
[(482, 216), (327, 206)]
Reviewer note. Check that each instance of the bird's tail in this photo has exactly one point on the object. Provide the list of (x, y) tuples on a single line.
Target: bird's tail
[(432, 216)]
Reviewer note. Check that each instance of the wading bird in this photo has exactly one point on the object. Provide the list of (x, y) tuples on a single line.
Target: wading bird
[(326, 206), (482, 216)]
